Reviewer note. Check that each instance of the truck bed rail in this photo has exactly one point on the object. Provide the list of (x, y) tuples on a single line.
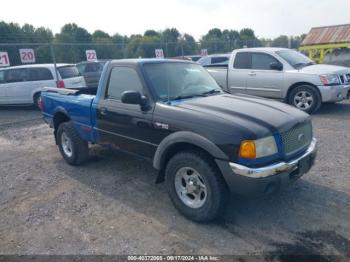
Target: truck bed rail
[(74, 92)]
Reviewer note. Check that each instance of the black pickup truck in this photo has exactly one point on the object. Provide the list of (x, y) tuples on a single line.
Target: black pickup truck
[(203, 141)]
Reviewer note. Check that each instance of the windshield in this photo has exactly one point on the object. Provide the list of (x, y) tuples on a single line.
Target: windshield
[(180, 80), (295, 59)]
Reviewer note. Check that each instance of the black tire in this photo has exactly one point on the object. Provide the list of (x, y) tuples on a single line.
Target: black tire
[(79, 148), (36, 100), (312, 92), (216, 188)]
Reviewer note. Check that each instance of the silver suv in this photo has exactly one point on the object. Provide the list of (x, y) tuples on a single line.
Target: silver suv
[(283, 74)]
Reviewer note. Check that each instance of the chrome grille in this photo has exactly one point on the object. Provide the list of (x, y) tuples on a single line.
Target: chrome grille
[(345, 79), (348, 77), (297, 138)]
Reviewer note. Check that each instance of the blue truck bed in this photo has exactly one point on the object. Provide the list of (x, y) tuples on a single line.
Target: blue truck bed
[(73, 103)]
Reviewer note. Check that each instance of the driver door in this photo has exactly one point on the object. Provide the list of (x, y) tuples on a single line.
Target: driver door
[(125, 126), (261, 79)]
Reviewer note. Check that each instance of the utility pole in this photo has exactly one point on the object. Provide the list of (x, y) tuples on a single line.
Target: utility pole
[(54, 60)]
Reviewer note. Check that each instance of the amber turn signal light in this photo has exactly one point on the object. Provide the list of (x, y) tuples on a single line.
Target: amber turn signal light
[(247, 149)]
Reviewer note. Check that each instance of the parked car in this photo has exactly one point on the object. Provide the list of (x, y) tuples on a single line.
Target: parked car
[(23, 84), (203, 141), (194, 58), (91, 71), (215, 60), (283, 74)]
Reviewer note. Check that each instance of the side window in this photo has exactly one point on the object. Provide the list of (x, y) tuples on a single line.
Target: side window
[(2, 77), (39, 74), (81, 68), (243, 60), (123, 79), (219, 59), (262, 61), (92, 68), (16, 75), (205, 61)]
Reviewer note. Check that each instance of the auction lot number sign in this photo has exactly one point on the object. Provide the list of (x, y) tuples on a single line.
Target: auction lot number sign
[(4, 59), (159, 53), (91, 55), (27, 56)]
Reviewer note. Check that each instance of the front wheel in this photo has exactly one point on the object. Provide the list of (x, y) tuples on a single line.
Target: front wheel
[(305, 98), (73, 149), (195, 186)]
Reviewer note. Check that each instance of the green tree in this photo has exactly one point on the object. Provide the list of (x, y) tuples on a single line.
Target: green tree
[(121, 43), (281, 41), (248, 38), (213, 41), (171, 37), (71, 33), (189, 45), (102, 44)]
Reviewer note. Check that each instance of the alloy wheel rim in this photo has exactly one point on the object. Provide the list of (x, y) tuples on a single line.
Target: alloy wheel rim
[(66, 145), (190, 187), (303, 100)]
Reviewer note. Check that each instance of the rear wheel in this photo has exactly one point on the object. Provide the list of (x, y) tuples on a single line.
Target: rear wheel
[(305, 98), (195, 186), (73, 149)]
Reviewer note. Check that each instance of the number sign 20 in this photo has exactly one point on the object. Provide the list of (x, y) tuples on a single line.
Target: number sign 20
[(27, 55)]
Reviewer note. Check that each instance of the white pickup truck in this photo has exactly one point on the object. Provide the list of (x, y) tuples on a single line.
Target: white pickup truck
[(283, 74)]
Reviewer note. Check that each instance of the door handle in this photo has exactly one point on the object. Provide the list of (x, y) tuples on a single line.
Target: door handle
[(252, 74), (103, 111)]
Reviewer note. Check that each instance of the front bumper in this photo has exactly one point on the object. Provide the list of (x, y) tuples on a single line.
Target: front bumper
[(259, 181), (334, 93)]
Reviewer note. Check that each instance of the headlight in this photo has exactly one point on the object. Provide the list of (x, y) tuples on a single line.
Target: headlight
[(258, 148), (329, 80)]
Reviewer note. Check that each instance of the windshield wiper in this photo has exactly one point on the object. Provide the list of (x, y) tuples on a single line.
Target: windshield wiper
[(299, 65), (185, 96), (210, 92), (204, 94)]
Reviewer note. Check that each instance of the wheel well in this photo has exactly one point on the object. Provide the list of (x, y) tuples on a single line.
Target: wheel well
[(35, 94), (58, 119), (173, 150), (300, 84)]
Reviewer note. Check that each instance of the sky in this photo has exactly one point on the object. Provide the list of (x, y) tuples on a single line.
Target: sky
[(268, 18)]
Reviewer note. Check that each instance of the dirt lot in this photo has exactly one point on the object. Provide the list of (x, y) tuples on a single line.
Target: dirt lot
[(112, 206)]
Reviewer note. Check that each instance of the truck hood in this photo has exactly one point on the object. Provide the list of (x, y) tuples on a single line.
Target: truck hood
[(260, 116), (324, 69)]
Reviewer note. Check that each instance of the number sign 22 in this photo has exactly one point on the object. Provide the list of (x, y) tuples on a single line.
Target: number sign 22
[(91, 55)]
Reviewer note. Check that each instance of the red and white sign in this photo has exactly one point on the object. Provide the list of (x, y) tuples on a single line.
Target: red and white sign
[(27, 56), (159, 53), (4, 59), (204, 52), (91, 55)]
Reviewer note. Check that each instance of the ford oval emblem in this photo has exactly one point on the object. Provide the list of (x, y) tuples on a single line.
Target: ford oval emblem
[(300, 137)]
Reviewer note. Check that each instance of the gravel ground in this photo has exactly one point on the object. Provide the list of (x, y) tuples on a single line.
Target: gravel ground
[(112, 206)]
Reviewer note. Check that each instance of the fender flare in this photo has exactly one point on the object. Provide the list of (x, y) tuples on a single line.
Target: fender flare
[(59, 110), (189, 138)]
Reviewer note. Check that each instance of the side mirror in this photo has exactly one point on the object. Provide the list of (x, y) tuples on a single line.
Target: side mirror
[(133, 98), (276, 66)]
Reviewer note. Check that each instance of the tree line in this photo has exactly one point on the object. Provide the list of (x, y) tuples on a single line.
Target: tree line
[(70, 43)]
